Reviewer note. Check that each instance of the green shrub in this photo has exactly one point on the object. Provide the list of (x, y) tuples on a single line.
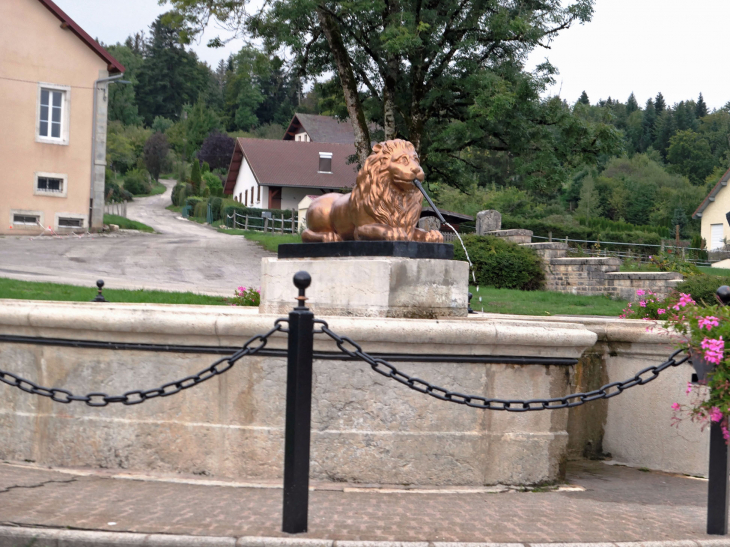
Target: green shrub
[(137, 182), (702, 288), (193, 201), (113, 193), (502, 264), (213, 183), (215, 208), (201, 209), (178, 193), (195, 177), (205, 168)]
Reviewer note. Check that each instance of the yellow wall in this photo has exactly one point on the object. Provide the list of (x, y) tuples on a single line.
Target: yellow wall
[(34, 48), (715, 213)]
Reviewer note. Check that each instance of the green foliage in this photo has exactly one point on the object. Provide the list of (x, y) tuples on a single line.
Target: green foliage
[(113, 192), (690, 154), (502, 264), (200, 209), (243, 296), (137, 182), (193, 201), (156, 151), (215, 208), (125, 146), (672, 261), (161, 124), (196, 177), (702, 288), (122, 102), (212, 183), (178, 194)]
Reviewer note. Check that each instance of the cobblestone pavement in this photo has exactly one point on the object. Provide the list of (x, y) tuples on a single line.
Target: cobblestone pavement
[(182, 256), (617, 504)]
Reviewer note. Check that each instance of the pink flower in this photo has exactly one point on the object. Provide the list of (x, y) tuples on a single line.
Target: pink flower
[(685, 299), (689, 388), (707, 322), (640, 292), (642, 304), (715, 414), (714, 349), (725, 432), (675, 406), (661, 311)]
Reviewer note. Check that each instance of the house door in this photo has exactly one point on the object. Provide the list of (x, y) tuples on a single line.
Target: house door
[(716, 236), (274, 197)]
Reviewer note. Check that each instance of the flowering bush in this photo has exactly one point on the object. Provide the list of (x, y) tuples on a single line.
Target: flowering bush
[(243, 296), (702, 331)]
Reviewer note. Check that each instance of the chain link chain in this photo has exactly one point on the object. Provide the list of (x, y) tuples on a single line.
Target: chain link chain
[(222, 365), (381, 366)]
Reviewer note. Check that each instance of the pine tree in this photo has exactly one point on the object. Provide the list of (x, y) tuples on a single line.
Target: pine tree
[(659, 104), (631, 104), (701, 108), (647, 125), (680, 219), (584, 99)]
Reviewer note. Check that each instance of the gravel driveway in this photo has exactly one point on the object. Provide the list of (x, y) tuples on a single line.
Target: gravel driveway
[(182, 256)]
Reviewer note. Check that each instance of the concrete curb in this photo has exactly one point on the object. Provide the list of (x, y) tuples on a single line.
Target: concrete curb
[(53, 537)]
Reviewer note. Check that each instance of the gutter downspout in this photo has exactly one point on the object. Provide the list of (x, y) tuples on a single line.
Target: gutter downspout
[(93, 145)]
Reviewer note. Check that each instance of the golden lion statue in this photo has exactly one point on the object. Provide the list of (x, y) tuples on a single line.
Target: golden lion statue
[(384, 205)]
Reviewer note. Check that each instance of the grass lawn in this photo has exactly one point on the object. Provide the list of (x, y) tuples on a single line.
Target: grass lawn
[(270, 242), (542, 303), (31, 290), (126, 224), (720, 272)]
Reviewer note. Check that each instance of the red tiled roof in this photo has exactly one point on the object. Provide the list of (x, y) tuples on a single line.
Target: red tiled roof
[(114, 66), (292, 163), (711, 196)]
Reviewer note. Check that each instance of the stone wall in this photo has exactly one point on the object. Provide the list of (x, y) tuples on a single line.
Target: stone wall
[(365, 427)]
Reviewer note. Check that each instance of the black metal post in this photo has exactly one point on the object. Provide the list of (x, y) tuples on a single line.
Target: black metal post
[(718, 487), (298, 412), (99, 297)]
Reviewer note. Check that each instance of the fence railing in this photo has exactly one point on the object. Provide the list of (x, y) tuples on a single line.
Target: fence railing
[(262, 224), (119, 209)]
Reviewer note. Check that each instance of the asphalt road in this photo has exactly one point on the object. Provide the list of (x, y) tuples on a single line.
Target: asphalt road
[(182, 256)]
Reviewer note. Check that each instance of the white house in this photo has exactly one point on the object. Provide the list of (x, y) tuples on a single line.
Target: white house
[(713, 214), (268, 174)]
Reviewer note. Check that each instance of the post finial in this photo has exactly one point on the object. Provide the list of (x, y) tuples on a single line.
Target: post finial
[(302, 280), (723, 295), (99, 297)]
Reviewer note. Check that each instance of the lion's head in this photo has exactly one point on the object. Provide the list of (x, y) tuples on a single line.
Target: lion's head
[(385, 183)]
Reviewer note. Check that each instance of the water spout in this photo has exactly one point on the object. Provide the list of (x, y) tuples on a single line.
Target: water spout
[(443, 221)]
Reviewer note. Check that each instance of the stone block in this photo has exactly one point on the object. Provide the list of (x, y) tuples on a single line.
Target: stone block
[(517, 236), (369, 286), (429, 223), (488, 221)]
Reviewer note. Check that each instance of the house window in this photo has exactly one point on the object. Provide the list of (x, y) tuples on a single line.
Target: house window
[(53, 113), (70, 222), (245, 198), (258, 195), (325, 162), (27, 220)]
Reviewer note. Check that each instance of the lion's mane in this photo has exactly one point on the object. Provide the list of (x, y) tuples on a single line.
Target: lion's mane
[(376, 193)]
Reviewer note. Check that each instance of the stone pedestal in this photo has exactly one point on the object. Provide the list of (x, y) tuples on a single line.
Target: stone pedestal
[(370, 286), (488, 221)]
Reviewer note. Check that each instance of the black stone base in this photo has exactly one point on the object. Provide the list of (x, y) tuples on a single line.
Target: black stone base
[(402, 249)]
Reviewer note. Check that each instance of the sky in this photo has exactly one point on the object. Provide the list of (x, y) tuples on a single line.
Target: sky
[(677, 47)]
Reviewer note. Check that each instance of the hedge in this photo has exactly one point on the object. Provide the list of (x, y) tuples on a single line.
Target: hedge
[(561, 231), (502, 264)]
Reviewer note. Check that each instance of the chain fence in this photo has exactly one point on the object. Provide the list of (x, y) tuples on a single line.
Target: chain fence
[(135, 397), (381, 366)]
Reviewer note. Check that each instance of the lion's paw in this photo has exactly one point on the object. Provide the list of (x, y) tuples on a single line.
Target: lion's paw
[(434, 236)]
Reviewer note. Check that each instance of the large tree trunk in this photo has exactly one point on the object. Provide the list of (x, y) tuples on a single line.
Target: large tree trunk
[(389, 100), (349, 85)]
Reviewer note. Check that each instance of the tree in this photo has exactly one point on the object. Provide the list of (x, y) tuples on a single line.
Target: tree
[(631, 104), (584, 98), (689, 154), (664, 129), (680, 219), (196, 177), (122, 104), (155, 154), (589, 205), (161, 125), (659, 104), (647, 126), (701, 108), (169, 76), (217, 150), (445, 75)]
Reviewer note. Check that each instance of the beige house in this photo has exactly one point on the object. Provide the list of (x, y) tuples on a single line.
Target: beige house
[(53, 84), (713, 213)]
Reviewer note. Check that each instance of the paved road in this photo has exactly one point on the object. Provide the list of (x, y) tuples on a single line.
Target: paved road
[(607, 504), (183, 256)]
